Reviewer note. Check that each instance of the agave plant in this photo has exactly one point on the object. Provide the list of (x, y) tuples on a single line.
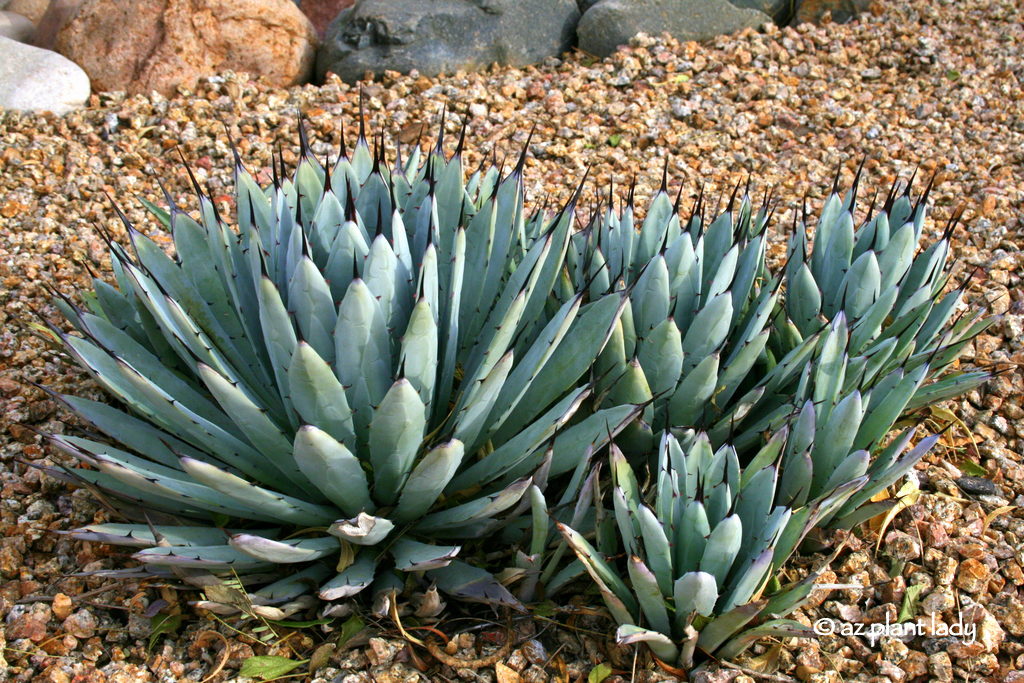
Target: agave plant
[(368, 370), (712, 339), (867, 311), (701, 547), (700, 304)]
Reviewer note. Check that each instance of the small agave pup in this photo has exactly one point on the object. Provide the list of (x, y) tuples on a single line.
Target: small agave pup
[(700, 549), (364, 374)]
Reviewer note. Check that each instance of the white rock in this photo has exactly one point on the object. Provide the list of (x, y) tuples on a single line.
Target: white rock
[(32, 79), (16, 27)]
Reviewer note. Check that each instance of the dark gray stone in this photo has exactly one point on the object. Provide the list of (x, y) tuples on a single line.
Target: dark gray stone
[(611, 23), (779, 10), (443, 36), (977, 486)]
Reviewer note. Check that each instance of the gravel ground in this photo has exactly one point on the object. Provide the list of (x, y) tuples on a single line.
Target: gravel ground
[(929, 84)]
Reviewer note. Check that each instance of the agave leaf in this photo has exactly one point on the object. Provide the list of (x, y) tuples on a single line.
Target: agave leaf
[(164, 482), (790, 597), (261, 430), (831, 366), (881, 478), (144, 535), (867, 327), (660, 355), (722, 547), (355, 578), (223, 443), (723, 275), (748, 579), (593, 433), (648, 595), (348, 252), (374, 204), (860, 287), (363, 353), (836, 258), (216, 558), (237, 489), (412, 556), (277, 330), (602, 574), (449, 328), (567, 364), (118, 344), (529, 369), (946, 388), (398, 427), (885, 407), (311, 303), (709, 330), (386, 279), (694, 592), (292, 586), (473, 584), (541, 521), (516, 452), (803, 301), (651, 299), (851, 467), (717, 241), (470, 519), (480, 401), (483, 359), (419, 358), (739, 366), (333, 469), (427, 480), (755, 498), (656, 545), (692, 533), (721, 628), (660, 644), (841, 428), (775, 628), (318, 397), (284, 552), (136, 434), (694, 392), (653, 230), (632, 387)]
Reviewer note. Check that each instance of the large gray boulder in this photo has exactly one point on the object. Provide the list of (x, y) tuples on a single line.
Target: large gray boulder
[(443, 36), (611, 23), (33, 79), (779, 10)]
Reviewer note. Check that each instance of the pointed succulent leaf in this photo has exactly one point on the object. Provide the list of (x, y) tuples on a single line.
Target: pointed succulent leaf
[(413, 556), (333, 469), (355, 578), (427, 480), (397, 429), (284, 552), (660, 644)]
